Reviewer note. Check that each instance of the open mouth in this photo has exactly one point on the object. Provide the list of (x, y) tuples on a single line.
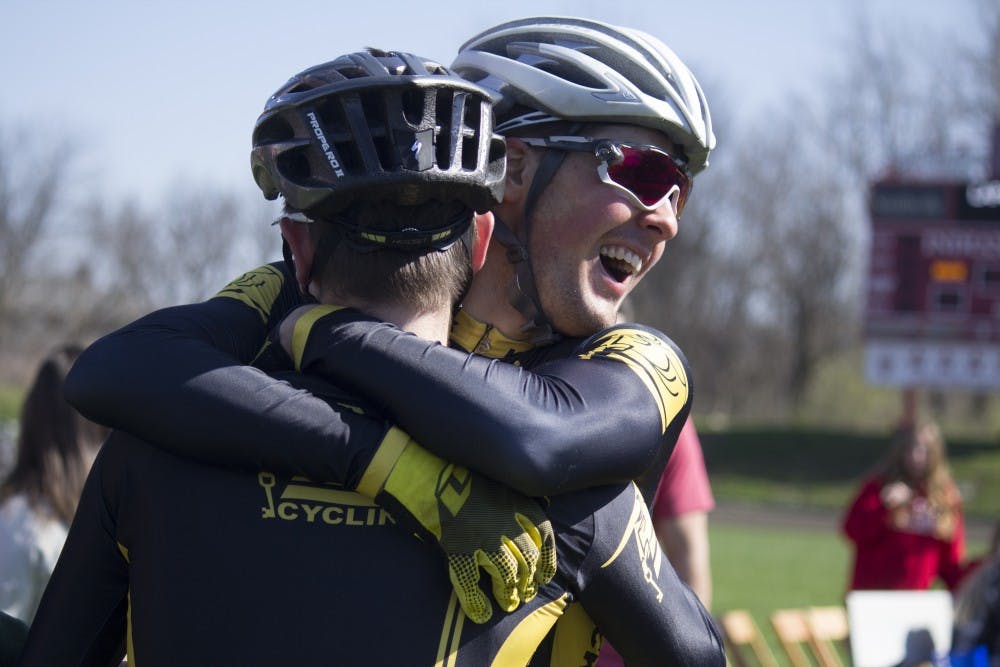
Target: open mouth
[(620, 263)]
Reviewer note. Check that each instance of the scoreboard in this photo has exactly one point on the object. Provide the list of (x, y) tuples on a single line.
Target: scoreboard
[(932, 314)]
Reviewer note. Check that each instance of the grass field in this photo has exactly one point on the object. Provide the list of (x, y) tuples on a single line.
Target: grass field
[(763, 568)]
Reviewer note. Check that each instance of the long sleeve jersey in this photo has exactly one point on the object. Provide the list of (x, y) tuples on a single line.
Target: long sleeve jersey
[(618, 400)]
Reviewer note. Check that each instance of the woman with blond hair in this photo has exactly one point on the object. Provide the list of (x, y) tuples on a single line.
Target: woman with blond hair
[(55, 449), (906, 522)]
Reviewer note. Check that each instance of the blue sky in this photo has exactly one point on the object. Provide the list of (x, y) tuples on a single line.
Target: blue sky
[(153, 94)]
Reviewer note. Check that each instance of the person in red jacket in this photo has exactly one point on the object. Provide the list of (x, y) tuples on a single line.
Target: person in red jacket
[(906, 522)]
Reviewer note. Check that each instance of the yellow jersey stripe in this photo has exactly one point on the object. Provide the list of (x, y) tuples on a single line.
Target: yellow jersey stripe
[(388, 452), (520, 644), (300, 334), (129, 644), (451, 633)]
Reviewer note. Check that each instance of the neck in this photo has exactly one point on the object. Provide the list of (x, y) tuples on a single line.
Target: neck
[(432, 325)]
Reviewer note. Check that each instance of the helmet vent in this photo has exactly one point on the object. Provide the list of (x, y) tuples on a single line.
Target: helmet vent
[(471, 132), (273, 131), (354, 72), (334, 120), (300, 87), (294, 166), (413, 102), (443, 113), (373, 105)]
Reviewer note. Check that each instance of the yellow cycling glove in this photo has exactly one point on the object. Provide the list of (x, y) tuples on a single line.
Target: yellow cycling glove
[(477, 522)]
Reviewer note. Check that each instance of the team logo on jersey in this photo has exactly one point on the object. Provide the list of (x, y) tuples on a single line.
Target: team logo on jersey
[(654, 361), (639, 531), (300, 499), (258, 289)]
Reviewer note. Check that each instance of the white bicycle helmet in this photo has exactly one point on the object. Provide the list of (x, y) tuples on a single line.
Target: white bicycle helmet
[(547, 69)]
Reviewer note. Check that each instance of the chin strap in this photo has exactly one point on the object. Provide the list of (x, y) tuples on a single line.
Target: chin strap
[(522, 293)]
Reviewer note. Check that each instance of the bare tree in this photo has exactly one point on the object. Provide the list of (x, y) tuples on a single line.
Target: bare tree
[(123, 261), (33, 183), (975, 83), (200, 231)]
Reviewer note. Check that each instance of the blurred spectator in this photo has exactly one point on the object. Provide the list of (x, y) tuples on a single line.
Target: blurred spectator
[(680, 516), (680, 513), (906, 522), (55, 449), (977, 606)]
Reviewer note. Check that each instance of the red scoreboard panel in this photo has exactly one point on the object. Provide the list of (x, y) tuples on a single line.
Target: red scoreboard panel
[(933, 307)]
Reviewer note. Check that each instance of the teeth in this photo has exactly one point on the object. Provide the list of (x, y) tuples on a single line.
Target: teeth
[(625, 255)]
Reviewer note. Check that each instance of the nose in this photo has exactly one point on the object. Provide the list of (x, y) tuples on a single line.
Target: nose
[(662, 221)]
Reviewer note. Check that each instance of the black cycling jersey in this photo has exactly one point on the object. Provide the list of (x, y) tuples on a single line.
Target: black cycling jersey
[(605, 404), (187, 564), (208, 406)]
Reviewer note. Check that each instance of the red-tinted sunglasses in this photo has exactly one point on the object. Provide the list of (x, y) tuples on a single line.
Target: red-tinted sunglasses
[(647, 174)]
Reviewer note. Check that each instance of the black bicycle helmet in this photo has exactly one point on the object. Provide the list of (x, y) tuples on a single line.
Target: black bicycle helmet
[(379, 126)]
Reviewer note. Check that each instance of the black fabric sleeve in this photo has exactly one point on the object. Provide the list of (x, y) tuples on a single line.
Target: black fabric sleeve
[(627, 585), (597, 417), (179, 379)]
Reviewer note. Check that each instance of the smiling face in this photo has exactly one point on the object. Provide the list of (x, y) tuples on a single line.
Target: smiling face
[(590, 245)]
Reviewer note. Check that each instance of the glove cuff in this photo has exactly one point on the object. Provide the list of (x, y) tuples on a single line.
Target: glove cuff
[(382, 463), (409, 481)]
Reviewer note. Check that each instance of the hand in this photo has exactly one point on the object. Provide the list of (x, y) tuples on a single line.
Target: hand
[(478, 523), (896, 494), (486, 525), (923, 519)]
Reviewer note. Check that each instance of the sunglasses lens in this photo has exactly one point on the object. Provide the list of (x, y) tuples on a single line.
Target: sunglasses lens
[(650, 175)]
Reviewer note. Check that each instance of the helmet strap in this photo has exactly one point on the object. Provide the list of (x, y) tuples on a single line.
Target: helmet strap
[(547, 168), (522, 293)]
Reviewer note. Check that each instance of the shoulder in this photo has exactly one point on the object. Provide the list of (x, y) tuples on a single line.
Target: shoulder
[(635, 344), (652, 356), (264, 289)]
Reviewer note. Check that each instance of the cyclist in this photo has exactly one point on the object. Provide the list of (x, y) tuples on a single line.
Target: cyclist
[(605, 129)]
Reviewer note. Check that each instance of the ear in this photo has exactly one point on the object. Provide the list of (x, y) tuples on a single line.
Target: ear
[(521, 164), (300, 242), (483, 224)]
